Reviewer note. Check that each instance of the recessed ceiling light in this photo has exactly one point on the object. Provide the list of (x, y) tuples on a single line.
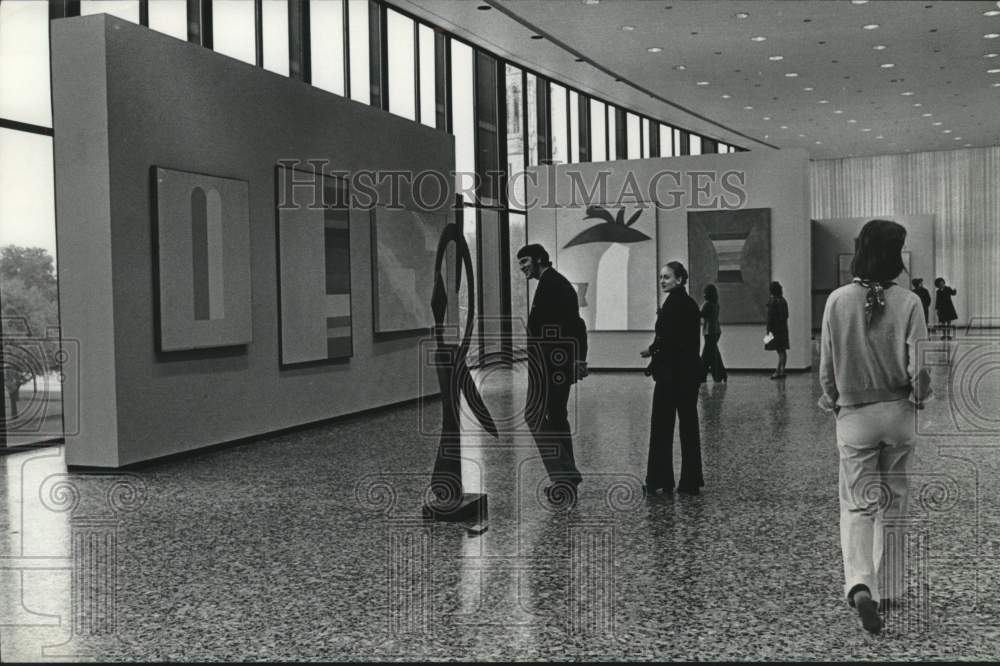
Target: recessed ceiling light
[(591, 2), (819, 143), (808, 88), (802, 136), (887, 65), (859, 2), (879, 137), (767, 136), (926, 115), (654, 49), (992, 35), (791, 75), (866, 129), (784, 127), (945, 131), (776, 57), (703, 83), (837, 111), (993, 71), (906, 94), (823, 101), (968, 145), (871, 26), (917, 104), (879, 47), (748, 108), (989, 55), (741, 15), (937, 124), (766, 118), (996, 85), (580, 60), (628, 28), (758, 38), (992, 12), (852, 120), (726, 96), (957, 138), (680, 68)]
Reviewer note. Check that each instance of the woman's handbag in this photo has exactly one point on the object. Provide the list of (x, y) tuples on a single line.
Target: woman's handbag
[(769, 341)]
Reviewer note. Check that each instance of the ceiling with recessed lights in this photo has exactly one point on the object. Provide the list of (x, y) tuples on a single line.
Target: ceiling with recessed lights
[(837, 77)]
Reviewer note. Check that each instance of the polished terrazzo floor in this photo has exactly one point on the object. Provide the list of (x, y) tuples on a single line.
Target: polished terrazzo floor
[(309, 546)]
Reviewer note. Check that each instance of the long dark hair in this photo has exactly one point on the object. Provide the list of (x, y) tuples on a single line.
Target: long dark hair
[(677, 268), (879, 251), (711, 293), (776, 290)]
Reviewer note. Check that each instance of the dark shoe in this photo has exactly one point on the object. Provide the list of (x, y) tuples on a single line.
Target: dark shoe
[(867, 611), (650, 490), (688, 491)]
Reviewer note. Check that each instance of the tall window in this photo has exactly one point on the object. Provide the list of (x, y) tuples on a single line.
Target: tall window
[(598, 129), (515, 137), (169, 17), (428, 91), (274, 17), (695, 145), (233, 29), (326, 38), (400, 47), (357, 33), (123, 9), (560, 131), (634, 147), (24, 62), (666, 141), (645, 138), (612, 133), (463, 119), (574, 126), (531, 113)]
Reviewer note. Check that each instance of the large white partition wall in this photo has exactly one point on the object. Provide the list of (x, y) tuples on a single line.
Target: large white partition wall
[(759, 179), (125, 99)]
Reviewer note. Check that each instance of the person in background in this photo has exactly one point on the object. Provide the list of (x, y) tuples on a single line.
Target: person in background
[(925, 296), (945, 308), (711, 357), (777, 327), (868, 374), (557, 346), (676, 370)]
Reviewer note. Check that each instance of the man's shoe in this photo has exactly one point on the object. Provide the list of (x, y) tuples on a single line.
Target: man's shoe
[(649, 491), (688, 491), (867, 611)]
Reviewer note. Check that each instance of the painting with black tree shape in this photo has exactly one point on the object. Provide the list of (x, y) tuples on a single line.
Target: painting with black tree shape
[(609, 255)]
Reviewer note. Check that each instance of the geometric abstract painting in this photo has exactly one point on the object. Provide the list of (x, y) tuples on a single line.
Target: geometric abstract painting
[(314, 267), (732, 250), (203, 255), (404, 246), (608, 253)]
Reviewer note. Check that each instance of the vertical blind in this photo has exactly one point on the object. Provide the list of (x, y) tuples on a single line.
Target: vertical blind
[(961, 188)]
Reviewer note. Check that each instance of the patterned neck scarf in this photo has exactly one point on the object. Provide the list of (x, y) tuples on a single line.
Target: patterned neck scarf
[(875, 298)]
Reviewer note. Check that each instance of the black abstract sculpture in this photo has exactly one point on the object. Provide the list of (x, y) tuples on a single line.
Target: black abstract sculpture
[(614, 229), (448, 500)]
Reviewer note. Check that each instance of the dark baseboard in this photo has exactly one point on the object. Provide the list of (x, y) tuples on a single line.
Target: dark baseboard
[(742, 371), (21, 448), (214, 448)]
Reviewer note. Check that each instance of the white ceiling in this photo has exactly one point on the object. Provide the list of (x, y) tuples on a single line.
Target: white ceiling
[(855, 105)]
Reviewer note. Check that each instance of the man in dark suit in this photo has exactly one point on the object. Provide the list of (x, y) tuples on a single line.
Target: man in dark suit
[(925, 297), (557, 349)]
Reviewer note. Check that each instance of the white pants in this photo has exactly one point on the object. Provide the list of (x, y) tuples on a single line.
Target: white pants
[(874, 441)]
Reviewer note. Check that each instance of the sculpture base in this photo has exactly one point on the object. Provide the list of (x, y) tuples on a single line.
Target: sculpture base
[(472, 508)]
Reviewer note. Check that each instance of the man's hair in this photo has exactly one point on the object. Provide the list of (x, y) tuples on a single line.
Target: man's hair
[(916, 282), (535, 251), (879, 251)]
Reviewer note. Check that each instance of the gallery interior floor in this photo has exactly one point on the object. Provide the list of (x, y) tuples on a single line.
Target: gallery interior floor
[(308, 545)]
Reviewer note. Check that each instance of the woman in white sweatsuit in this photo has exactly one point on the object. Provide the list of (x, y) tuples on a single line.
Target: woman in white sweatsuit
[(868, 372)]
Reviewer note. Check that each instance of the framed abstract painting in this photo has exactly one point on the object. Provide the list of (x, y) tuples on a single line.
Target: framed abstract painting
[(608, 253), (314, 267), (404, 246), (732, 250), (203, 260)]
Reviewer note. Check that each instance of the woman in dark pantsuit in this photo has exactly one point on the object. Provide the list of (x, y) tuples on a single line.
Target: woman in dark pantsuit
[(676, 369), (711, 357)]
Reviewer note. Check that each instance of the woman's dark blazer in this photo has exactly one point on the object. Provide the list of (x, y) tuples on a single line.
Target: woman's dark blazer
[(676, 348)]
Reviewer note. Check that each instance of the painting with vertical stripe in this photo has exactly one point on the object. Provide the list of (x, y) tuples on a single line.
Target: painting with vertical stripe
[(314, 267), (203, 255), (732, 250)]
